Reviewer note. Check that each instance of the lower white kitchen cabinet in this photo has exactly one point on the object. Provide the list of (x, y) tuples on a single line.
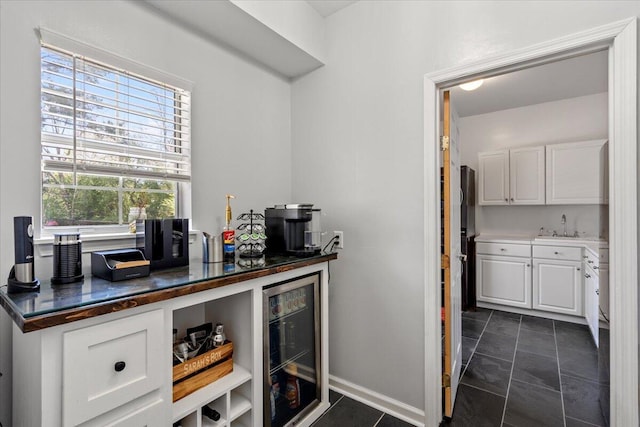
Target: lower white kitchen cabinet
[(544, 276), (557, 286), (105, 371), (504, 279), (116, 369), (110, 364), (591, 301), (596, 280), (557, 279)]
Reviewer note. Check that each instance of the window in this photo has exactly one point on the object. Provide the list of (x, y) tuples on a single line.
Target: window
[(115, 145)]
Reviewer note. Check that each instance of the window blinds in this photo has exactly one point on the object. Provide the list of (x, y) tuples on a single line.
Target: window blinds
[(100, 120)]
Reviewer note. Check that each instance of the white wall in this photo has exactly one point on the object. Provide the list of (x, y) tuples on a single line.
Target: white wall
[(576, 119), (358, 153), (240, 115)]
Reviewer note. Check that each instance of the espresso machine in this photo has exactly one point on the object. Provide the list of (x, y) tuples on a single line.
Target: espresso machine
[(293, 229)]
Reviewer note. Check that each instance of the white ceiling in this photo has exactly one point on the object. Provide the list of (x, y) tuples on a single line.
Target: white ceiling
[(327, 7), (569, 78)]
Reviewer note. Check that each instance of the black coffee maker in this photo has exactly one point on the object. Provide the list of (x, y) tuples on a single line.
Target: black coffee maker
[(293, 229)]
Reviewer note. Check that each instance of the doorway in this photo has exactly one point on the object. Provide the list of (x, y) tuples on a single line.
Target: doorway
[(620, 39), (521, 360)]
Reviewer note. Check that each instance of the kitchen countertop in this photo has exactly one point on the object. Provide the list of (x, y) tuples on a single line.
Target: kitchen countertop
[(593, 243), (59, 304)]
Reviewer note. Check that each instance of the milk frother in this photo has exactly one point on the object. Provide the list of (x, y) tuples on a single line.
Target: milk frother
[(67, 258)]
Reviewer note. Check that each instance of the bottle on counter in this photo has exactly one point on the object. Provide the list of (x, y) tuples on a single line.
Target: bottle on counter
[(292, 392), (229, 235)]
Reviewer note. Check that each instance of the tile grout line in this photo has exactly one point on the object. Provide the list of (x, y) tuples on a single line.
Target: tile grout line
[(555, 340), (331, 406), (583, 421), (379, 419), (481, 389), (513, 363), (476, 346)]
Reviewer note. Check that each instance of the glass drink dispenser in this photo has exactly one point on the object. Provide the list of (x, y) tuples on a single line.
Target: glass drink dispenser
[(291, 316)]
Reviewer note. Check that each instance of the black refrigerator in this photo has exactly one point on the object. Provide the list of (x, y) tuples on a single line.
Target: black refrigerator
[(467, 236)]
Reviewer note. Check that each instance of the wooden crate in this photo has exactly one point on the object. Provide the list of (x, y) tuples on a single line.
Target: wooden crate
[(202, 370)]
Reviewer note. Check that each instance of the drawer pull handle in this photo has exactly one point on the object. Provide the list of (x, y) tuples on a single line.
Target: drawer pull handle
[(587, 276), (557, 253), (578, 268), (528, 265), (597, 291), (595, 267), (120, 366), (590, 262), (503, 250)]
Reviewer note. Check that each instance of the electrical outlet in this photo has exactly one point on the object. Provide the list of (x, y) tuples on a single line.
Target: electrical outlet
[(339, 238)]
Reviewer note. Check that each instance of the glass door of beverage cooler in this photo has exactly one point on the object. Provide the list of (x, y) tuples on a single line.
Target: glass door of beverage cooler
[(291, 350)]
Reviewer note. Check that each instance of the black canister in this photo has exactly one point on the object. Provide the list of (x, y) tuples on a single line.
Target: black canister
[(67, 258)]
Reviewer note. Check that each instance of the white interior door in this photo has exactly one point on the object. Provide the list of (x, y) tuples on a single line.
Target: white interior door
[(452, 256)]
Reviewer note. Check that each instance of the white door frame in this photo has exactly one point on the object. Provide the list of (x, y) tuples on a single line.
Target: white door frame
[(620, 39)]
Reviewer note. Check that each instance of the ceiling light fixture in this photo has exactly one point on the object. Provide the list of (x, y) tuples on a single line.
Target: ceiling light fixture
[(471, 85)]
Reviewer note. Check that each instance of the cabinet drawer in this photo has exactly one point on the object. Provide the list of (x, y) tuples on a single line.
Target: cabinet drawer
[(504, 249), (558, 252), (107, 365)]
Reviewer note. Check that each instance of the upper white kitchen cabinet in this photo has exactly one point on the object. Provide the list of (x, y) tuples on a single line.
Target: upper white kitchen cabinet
[(577, 173), (493, 178), (512, 177)]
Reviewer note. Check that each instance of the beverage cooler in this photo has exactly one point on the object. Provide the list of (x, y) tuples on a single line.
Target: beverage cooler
[(291, 316)]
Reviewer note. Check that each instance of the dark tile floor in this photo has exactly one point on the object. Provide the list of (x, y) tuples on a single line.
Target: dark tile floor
[(521, 371), (346, 412), (518, 371)]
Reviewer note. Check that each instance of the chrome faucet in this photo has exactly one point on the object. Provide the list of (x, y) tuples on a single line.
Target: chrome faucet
[(563, 221)]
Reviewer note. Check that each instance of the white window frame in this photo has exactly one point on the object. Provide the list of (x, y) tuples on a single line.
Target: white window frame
[(183, 189)]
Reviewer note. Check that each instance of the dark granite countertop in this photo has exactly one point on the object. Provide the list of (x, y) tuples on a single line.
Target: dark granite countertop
[(59, 304)]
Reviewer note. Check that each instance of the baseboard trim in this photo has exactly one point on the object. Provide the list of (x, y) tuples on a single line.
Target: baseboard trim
[(379, 401), (546, 314)]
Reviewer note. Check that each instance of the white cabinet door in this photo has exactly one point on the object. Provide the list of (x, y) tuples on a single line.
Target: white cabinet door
[(557, 286), (110, 364), (526, 176), (504, 280), (591, 302), (493, 178), (577, 173)]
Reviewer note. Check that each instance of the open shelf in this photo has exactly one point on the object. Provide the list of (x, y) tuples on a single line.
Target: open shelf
[(239, 405), (206, 394)]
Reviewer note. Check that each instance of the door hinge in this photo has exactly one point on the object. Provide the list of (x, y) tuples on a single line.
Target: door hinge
[(444, 261), (446, 380), (444, 143)]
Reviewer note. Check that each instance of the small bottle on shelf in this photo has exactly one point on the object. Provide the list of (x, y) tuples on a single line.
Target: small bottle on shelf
[(293, 386)]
